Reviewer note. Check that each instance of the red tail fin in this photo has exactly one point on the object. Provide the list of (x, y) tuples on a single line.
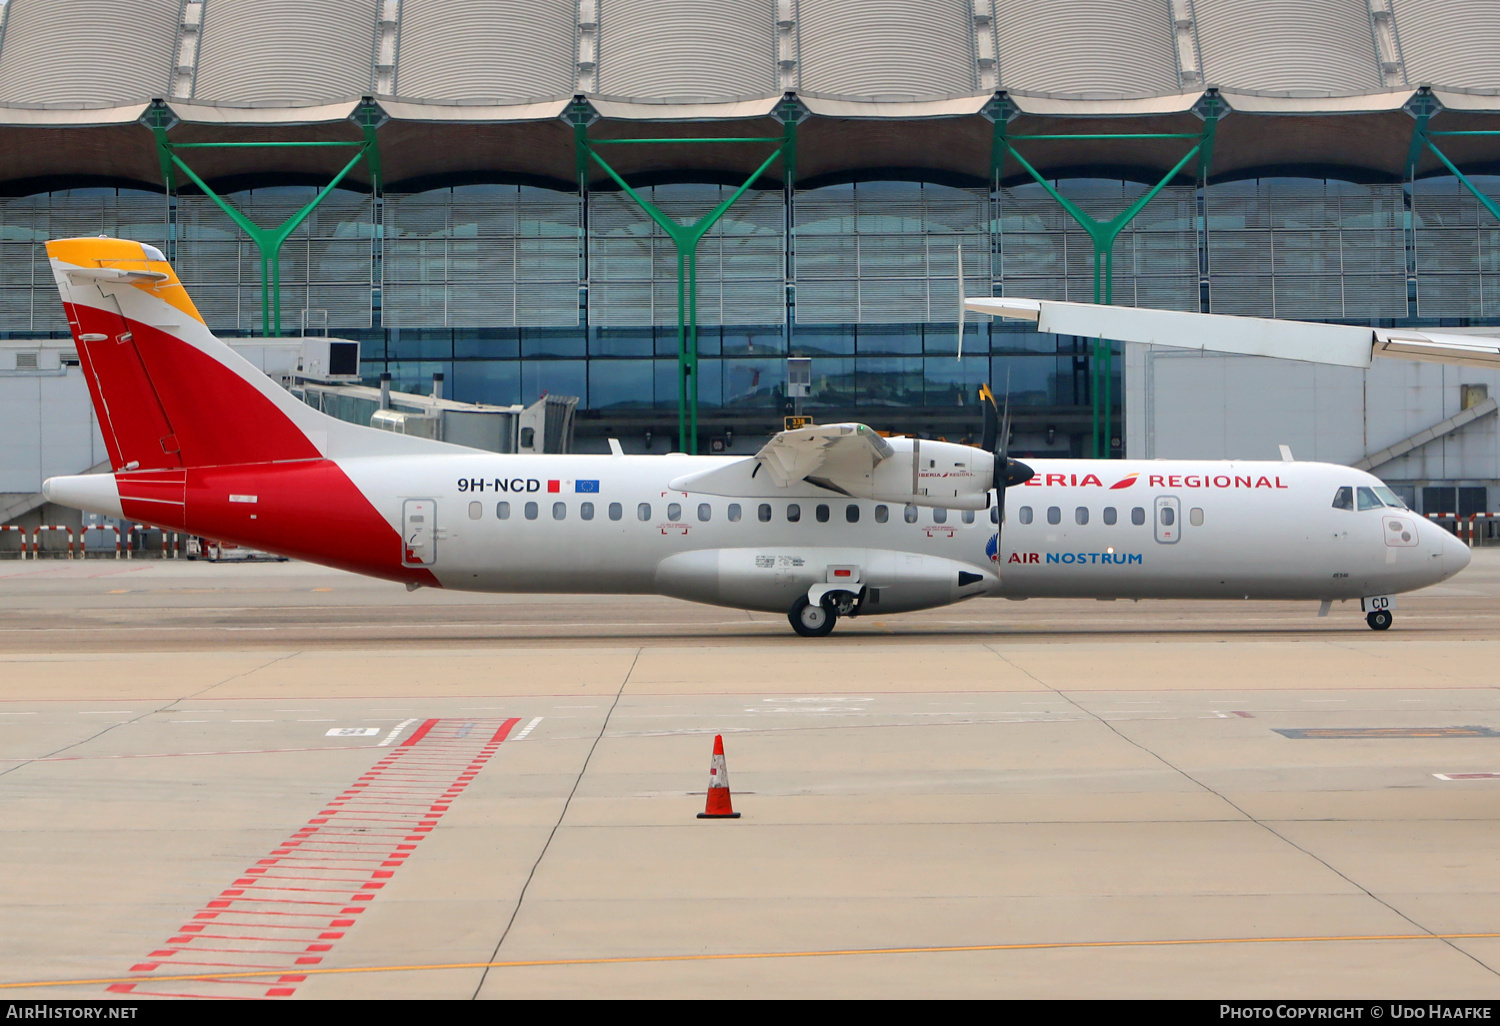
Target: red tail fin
[(167, 392)]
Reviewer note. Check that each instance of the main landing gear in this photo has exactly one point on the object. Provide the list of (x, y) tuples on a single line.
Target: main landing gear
[(1379, 620), (817, 619)]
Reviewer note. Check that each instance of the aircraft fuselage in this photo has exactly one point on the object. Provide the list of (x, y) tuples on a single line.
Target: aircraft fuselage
[(1078, 529)]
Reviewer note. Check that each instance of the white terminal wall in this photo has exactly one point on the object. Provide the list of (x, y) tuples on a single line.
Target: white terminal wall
[(47, 423), (1189, 405)]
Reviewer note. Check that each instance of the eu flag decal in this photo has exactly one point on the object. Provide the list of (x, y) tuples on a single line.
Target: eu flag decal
[(589, 487)]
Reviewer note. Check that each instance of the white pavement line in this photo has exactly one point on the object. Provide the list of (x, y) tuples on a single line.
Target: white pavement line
[(527, 729), (395, 732)]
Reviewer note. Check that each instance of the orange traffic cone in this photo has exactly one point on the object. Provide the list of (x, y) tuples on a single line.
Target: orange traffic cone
[(718, 786)]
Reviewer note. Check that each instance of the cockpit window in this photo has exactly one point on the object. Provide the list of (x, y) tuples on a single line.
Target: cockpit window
[(1389, 497), (1367, 499), (1344, 498)]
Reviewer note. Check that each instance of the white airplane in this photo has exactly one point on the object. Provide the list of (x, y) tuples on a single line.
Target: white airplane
[(825, 521)]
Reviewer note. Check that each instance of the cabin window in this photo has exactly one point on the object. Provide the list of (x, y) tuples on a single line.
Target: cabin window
[(559, 511), (1110, 515), (616, 511), (704, 512), (882, 514), (1344, 498), (1138, 516), (643, 511), (531, 511), (734, 512), (1024, 514), (502, 511), (1167, 516), (1368, 499), (1195, 516), (851, 513), (968, 516), (586, 511), (939, 516), (1081, 515), (476, 510), (821, 512), (910, 516), (674, 511), (793, 513), (763, 513), (995, 514), (1054, 514)]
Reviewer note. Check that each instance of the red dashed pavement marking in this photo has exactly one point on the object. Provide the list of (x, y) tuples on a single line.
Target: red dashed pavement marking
[(287, 908)]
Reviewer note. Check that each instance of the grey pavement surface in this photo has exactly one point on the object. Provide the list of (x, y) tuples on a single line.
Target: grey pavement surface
[(1091, 798)]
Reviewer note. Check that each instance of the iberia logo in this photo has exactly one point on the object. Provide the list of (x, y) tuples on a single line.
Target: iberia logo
[(1124, 482)]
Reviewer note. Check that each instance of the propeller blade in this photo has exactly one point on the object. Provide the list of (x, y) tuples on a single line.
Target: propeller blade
[(989, 437), (961, 308), (1007, 471), (1004, 444)]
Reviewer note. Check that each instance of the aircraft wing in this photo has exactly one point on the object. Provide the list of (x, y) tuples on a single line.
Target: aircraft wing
[(824, 454), (1341, 344)]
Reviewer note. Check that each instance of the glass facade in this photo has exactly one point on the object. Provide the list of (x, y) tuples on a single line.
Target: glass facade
[(511, 291)]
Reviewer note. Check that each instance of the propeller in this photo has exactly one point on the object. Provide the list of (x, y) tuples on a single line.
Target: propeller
[(961, 306), (994, 438)]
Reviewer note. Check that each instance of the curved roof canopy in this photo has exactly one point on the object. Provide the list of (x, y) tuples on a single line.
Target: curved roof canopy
[(515, 59), (251, 68)]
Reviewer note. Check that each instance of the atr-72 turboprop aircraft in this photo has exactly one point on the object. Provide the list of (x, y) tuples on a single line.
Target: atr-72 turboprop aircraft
[(823, 522)]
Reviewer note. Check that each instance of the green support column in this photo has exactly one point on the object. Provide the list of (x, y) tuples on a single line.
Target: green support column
[(685, 239), (1424, 107), (1102, 234), (268, 242)]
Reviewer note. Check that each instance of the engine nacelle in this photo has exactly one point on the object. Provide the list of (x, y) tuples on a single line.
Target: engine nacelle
[(928, 473), (771, 578)]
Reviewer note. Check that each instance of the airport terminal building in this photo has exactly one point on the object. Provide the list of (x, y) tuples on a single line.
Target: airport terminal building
[(511, 193)]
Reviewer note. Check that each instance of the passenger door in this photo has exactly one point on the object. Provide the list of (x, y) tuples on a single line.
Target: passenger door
[(418, 532), (1168, 519)]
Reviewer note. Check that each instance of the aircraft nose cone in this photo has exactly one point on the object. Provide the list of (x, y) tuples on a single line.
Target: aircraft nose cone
[(1456, 555)]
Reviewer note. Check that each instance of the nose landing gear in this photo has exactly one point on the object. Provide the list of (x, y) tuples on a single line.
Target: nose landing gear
[(1377, 610)]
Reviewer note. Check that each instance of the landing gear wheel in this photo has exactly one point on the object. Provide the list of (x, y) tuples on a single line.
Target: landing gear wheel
[(1379, 620), (812, 621)]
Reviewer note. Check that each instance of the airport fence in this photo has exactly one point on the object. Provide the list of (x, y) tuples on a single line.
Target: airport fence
[(1473, 529), (45, 542)]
